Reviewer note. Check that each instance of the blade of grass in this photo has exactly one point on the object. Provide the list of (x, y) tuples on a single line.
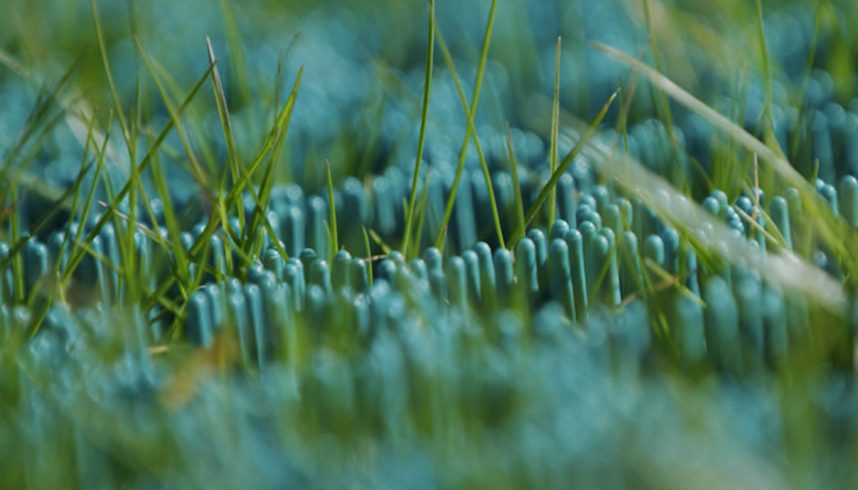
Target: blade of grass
[(76, 258), (281, 129), (470, 132), (368, 254), (195, 168), (546, 190), (513, 167), (421, 213), (202, 244), (114, 94), (555, 127), (332, 212), (278, 133), (427, 90), (226, 125)]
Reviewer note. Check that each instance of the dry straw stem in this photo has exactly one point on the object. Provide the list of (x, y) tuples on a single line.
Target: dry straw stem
[(784, 268), (834, 232)]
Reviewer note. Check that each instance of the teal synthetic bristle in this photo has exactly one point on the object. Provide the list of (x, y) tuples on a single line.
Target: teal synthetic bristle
[(504, 275), (597, 250), (526, 268), (587, 215), (187, 240), (464, 220), (262, 234), (359, 276), (384, 211), (233, 285), (722, 326), (438, 285), (307, 257), (830, 194), (472, 269), (779, 212), (258, 321), (356, 202), (631, 337), (342, 270), (217, 306), (417, 267), (602, 196), (433, 259), (387, 270), (849, 199), (198, 325), (611, 218), (487, 274), (36, 263), (575, 244), (566, 205), (293, 229), (217, 255), (293, 274), (687, 319), (748, 292), (653, 250), (262, 277), (640, 225), (561, 277), (55, 243), (320, 275), (273, 262), (457, 281), (110, 247), (689, 269), (237, 315), (721, 197), (631, 278), (541, 243), (317, 216), (776, 336), (558, 230), (279, 308), (711, 206), (99, 270), (362, 317), (586, 203), (611, 284), (398, 259), (671, 240)]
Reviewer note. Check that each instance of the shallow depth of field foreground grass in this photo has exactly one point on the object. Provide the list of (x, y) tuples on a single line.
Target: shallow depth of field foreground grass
[(374, 243)]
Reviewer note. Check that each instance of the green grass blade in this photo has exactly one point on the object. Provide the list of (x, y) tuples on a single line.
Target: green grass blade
[(226, 125), (76, 258), (427, 91), (332, 212), (513, 168), (470, 114), (555, 127), (114, 94), (549, 186)]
